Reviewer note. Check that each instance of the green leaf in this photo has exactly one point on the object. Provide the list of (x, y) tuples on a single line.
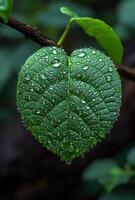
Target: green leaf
[(131, 156), (104, 34), (98, 169), (67, 11), (5, 9), (69, 103), (108, 173), (121, 193)]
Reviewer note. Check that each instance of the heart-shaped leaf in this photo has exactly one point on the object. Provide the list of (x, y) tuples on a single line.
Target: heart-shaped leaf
[(69, 103)]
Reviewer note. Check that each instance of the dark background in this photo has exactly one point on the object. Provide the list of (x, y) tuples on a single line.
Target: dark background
[(28, 171)]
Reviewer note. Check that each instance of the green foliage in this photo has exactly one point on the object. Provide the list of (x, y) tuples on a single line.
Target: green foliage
[(131, 156), (122, 193), (126, 13), (103, 33), (69, 103), (108, 173), (5, 9)]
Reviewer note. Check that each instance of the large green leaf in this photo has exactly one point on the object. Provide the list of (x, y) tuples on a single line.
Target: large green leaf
[(5, 9), (69, 103)]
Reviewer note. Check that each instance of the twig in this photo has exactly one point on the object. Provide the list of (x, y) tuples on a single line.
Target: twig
[(126, 72), (30, 32), (34, 34)]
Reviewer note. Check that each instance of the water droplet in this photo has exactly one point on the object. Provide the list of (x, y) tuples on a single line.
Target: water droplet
[(68, 162), (85, 67), (100, 60), (27, 77), (42, 76), (56, 63), (83, 101), (31, 89), (80, 55), (27, 66), (54, 51), (93, 51), (110, 69), (109, 78), (29, 98), (51, 88), (88, 107), (93, 99), (38, 112)]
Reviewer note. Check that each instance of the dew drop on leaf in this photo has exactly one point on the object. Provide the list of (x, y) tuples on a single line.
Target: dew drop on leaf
[(27, 77), (42, 76), (56, 63), (109, 78), (110, 69), (85, 67), (80, 55)]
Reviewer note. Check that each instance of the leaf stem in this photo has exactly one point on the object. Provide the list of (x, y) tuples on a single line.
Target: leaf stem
[(62, 38)]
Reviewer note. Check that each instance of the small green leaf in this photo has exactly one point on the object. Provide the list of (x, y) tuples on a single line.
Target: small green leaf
[(5, 9), (108, 173), (104, 34), (69, 103), (67, 11)]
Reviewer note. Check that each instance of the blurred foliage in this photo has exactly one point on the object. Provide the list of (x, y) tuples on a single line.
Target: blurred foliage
[(111, 174)]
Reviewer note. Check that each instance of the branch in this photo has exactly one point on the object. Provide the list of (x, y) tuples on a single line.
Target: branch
[(34, 34), (126, 72), (30, 32)]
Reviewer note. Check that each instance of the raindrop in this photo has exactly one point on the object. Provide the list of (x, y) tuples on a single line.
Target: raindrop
[(27, 66), (54, 51), (68, 162), (80, 55), (110, 69), (93, 51), (56, 63), (38, 112), (83, 101), (85, 67), (109, 78), (27, 78), (42, 76)]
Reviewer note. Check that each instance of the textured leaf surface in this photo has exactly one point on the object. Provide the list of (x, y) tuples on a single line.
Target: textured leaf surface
[(69, 103)]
